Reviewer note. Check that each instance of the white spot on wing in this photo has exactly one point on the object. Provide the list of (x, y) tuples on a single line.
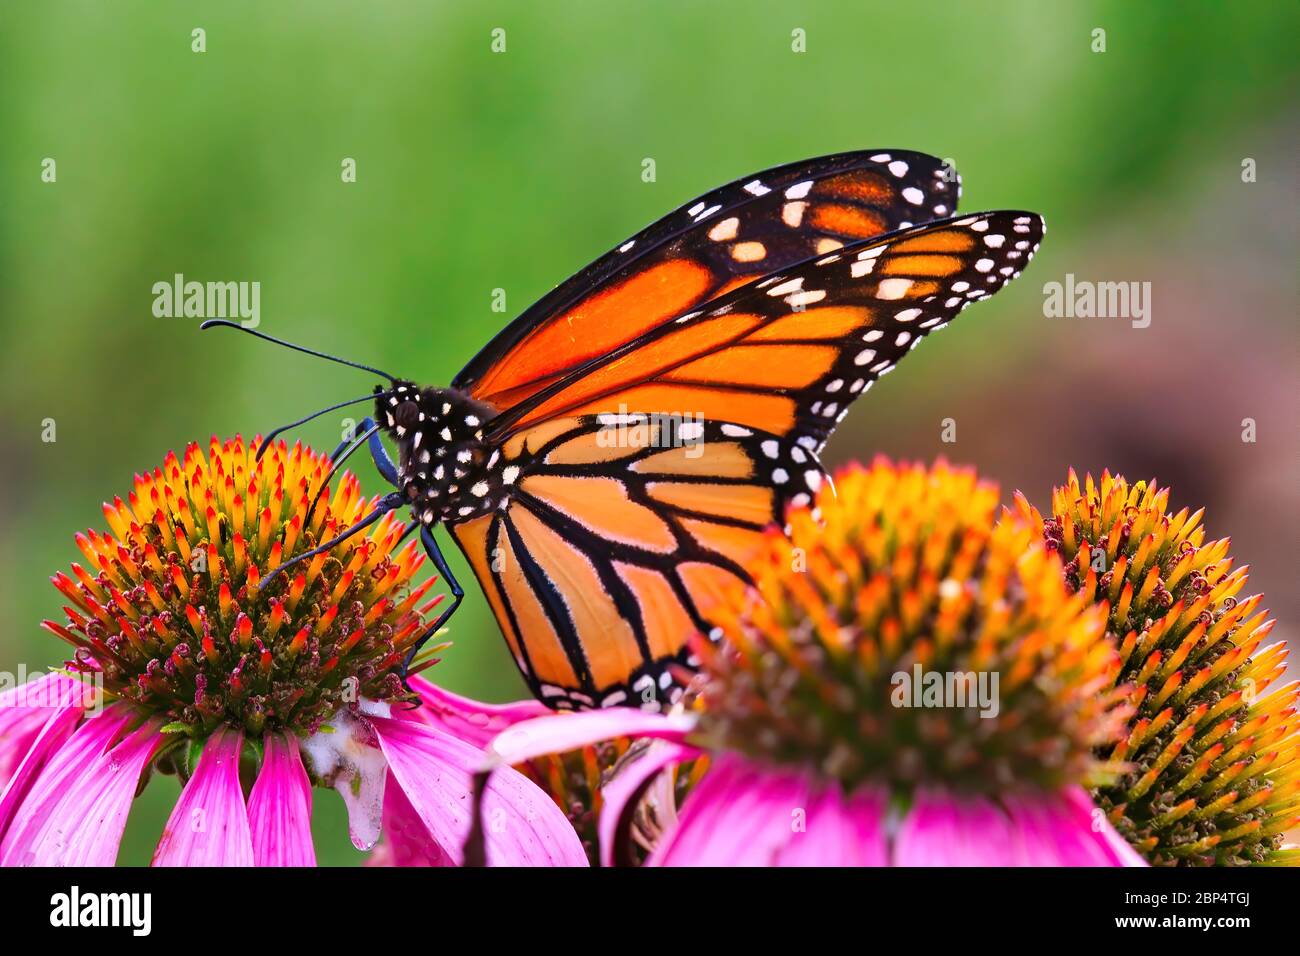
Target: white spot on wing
[(785, 288), (725, 230), (893, 288)]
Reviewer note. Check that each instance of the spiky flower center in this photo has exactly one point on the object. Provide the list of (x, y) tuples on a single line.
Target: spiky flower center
[(169, 609), (908, 640), (1212, 749)]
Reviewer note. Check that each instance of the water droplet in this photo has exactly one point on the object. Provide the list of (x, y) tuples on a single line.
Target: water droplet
[(349, 760)]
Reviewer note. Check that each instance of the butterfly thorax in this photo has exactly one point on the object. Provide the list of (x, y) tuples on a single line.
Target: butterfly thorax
[(445, 468)]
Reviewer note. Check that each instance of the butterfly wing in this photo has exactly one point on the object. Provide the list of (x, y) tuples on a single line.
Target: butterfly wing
[(612, 539), (749, 228), (750, 318), (786, 354)]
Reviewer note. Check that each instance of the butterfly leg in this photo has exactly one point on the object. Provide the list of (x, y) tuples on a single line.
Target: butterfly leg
[(389, 502), (388, 470), (378, 453), (457, 592)]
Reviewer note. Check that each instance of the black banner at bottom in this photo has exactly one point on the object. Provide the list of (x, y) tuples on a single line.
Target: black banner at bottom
[(332, 906)]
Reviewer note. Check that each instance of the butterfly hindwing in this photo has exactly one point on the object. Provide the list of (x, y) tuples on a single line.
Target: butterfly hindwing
[(786, 354), (611, 542), (751, 227)]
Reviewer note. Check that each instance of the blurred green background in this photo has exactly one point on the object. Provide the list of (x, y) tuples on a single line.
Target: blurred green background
[(479, 170)]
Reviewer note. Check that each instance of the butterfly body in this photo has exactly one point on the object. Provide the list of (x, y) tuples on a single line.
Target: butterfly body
[(613, 458)]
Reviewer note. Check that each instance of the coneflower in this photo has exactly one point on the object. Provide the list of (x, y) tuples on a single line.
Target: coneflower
[(842, 707), (1213, 745), (575, 779), (249, 694)]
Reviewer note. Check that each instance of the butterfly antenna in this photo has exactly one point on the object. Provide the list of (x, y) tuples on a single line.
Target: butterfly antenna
[(228, 323), (356, 443), (276, 433), (386, 504)]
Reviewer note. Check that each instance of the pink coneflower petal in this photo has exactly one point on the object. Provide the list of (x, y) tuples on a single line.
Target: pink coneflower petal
[(1120, 853), (71, 762), (561, 732), (436, 772), (839, 831), (19, 729), (944, 830), (1065, 829), (85, 827), (25, 710), (738, 815), (56, 729), (628, 783), (407, 841), (279, 807), (209, 824), (470, 720)]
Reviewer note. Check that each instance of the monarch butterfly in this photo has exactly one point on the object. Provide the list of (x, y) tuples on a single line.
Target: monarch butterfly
[(610, 459)]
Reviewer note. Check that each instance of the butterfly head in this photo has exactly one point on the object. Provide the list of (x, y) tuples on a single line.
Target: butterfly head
[(442, 453), (398, 407)]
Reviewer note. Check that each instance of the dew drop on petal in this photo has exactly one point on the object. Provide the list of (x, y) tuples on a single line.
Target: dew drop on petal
[(345, 754)]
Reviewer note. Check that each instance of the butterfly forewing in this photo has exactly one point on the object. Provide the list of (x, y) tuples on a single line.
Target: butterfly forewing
[(747, 229), (787, 353), (614, 538)]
